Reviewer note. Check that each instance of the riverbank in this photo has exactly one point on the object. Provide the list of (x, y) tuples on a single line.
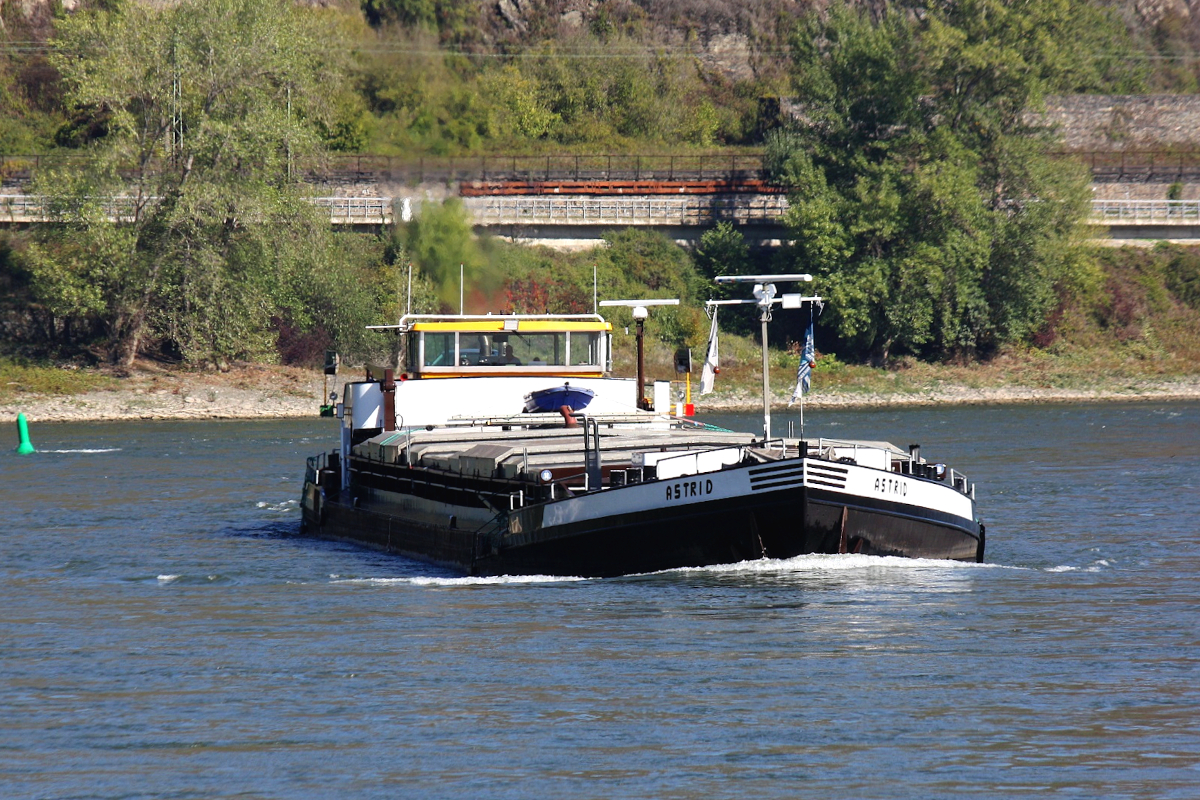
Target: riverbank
[(262, 391)]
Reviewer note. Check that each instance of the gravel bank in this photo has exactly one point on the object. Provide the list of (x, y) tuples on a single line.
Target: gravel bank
[(256, 392)]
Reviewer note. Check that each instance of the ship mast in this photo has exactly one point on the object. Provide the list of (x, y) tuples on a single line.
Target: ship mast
[(764, 297), (639, 316)]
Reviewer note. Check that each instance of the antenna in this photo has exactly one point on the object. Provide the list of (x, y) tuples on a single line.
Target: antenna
[(764, 296), (639, 316), (763, 278)]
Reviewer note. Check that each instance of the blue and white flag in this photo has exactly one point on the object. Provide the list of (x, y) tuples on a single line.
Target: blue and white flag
[(808, 360)]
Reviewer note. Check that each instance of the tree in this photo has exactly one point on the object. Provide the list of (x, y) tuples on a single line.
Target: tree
[(207, 105), (923, 195), (442, 245)]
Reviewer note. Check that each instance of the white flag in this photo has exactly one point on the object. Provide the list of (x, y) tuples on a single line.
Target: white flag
[(709, 375)]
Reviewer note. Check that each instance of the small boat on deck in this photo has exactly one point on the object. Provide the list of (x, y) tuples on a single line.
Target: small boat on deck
[(446, 462), (554, 398)]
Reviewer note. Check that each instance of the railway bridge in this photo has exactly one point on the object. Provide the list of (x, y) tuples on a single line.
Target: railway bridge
[(570, 201)]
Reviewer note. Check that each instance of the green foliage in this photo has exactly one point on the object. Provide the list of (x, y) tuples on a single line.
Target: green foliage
[(453, 18), (518, 109), (541, 281), (922, 198), (632, 264), (209, 101), (646, 264), (440, 242), (1183, 277), (18, 377), (404, 12), (349, 129), (30, 100), (1146, 309), (722, 251), (579, 90)]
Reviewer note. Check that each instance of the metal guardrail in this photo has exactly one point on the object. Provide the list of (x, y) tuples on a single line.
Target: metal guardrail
[(26, 208), (693, 210), (1105, 165), (356, 210), (1109, 166), (688, 211), (561, 167), (1156, 212)]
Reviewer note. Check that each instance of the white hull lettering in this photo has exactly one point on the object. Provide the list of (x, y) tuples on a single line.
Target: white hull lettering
[(685, 489)]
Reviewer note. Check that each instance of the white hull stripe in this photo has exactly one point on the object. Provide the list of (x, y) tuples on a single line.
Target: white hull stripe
[(864, 482)]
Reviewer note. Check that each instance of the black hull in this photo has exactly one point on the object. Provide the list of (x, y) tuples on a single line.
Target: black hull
[(779, 524)]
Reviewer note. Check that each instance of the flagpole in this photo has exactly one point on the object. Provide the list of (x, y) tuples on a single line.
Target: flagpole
[(803, 354), (764, 297)]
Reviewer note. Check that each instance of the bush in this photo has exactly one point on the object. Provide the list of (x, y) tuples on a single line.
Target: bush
[(1183, 277)]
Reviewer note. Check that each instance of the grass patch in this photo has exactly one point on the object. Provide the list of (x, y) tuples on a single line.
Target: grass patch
[(17, 380)]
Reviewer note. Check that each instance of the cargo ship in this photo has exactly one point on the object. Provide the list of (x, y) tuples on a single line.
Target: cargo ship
[(452, 457)]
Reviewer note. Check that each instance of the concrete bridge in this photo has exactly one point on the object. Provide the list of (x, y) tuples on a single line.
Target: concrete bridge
[(1155, 220), (354, 212), (580, 221), (570, 222)]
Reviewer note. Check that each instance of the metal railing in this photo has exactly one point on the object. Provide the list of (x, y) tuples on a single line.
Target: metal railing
[(693, 210), (356, 210), (554, 167), (27, 208), (1161, 212), (1105, 165), (1141, 165)]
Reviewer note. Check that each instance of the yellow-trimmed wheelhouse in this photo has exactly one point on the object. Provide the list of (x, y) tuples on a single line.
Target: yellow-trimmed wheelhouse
[(468, 346)]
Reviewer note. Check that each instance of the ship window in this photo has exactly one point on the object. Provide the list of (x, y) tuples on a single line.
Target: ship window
[(585, 349), (539, 349), (475, 349), (439, 349)]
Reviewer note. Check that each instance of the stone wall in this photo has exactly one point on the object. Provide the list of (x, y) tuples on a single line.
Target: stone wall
[(1126, 122), (1145, 190)]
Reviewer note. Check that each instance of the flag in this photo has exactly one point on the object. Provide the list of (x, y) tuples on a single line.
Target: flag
[(709, 376), (808, 360)]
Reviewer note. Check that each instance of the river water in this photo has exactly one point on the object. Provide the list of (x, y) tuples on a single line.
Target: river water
[(166, 634)]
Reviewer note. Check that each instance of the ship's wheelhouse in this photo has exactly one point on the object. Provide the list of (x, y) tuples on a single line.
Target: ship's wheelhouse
[(466, 346)]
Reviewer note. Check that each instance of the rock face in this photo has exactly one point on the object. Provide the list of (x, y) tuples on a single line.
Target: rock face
[(1153, 12), (1126, 122), (729, 55)]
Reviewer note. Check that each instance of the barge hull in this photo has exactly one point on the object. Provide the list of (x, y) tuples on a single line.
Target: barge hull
[(780, 524)]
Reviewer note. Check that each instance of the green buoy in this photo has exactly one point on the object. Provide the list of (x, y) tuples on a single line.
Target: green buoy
[(25, 447)]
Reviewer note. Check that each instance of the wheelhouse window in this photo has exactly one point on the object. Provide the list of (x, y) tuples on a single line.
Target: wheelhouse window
[(448, 352), (539, 349), (486, 350), (439, 349), (585, 349)]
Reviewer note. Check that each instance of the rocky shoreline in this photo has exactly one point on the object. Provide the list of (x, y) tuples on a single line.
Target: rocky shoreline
[(274, 392)]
